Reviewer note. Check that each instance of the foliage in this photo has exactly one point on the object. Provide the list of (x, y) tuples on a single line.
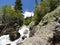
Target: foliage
[(27, 20), (50, 17), (18, 5), (40, 11), (11, 16), (45, 7), (1, 14), (52, 4)]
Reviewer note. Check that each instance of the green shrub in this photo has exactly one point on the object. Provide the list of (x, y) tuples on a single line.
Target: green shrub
[(53, 4), (27, 20), (41, 11), (10, 16)]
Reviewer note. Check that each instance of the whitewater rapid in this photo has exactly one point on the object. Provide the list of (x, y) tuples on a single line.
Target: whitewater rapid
[(24, 31)]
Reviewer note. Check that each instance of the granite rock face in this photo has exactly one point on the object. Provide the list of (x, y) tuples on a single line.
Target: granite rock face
[(46, 32)]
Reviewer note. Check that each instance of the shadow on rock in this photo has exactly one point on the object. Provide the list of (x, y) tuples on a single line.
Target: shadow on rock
[(14, 35), (55, 40)]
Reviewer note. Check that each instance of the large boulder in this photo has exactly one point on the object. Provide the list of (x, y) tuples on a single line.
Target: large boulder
[(14, 35)]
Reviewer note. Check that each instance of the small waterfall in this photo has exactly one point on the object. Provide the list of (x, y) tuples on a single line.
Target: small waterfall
[(24, 32)]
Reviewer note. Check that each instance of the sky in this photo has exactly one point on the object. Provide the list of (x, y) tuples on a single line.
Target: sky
[(28, 5)]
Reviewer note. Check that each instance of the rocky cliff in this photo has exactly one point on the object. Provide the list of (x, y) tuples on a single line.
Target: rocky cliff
[(47, 32)]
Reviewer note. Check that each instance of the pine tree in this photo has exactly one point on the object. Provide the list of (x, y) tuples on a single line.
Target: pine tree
[(18, 5), (18, 9), (36, 12), (40, 11), (41, 0), (4, 14), (36, 5), (36, 2)]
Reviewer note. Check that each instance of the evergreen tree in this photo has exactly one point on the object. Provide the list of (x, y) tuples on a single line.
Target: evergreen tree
[(36, 2), (18, 9), (40, 11), (10, 16), (18, 5), (4, 14), (41, 0), (53, 4)]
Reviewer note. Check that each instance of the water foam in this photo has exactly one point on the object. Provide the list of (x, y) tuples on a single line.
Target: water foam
[(24, 31)]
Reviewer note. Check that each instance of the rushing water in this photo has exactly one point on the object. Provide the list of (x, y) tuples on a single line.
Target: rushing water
[(24, 31)]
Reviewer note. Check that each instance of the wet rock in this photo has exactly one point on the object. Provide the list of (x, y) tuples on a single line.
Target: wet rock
[(26, 32), (16, 26), (24, 37), (14, 35)]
